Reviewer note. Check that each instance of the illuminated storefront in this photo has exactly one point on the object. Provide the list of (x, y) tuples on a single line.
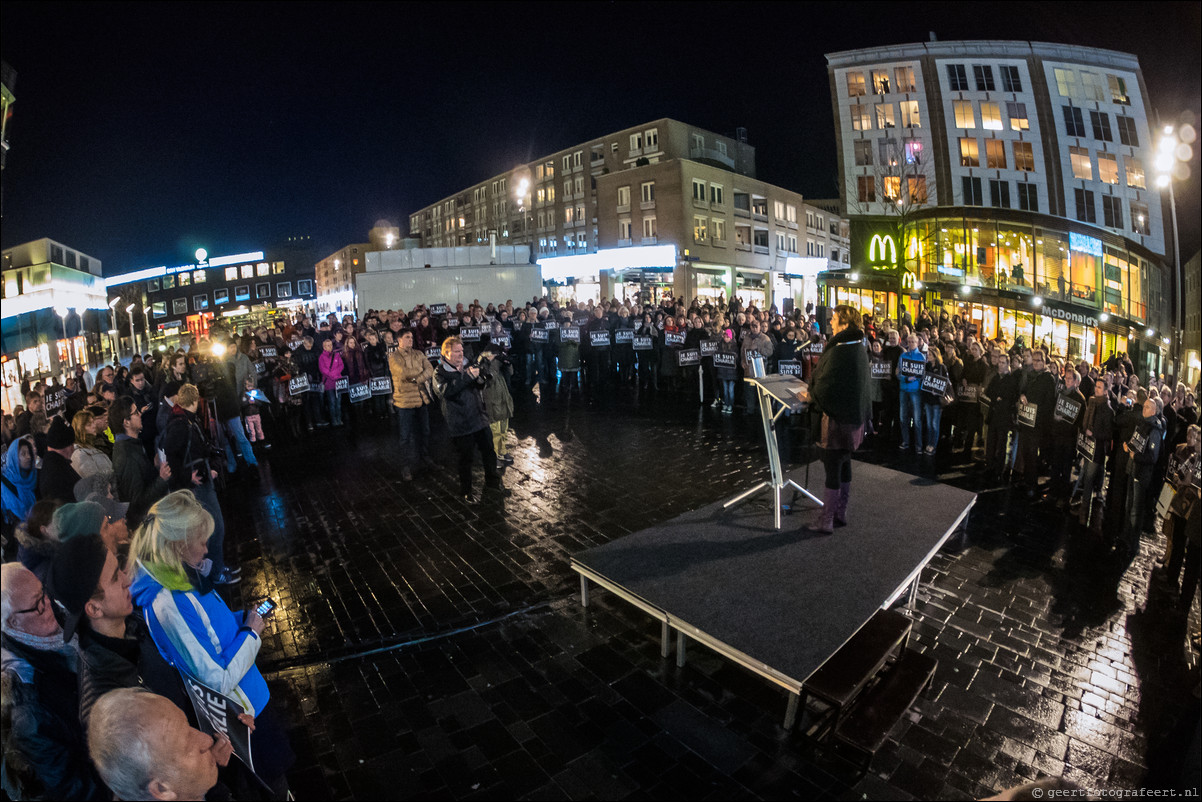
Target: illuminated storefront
[(1085, 295)]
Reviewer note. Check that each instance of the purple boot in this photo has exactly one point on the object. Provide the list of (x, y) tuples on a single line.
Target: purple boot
[(824, 518), (841, 506)]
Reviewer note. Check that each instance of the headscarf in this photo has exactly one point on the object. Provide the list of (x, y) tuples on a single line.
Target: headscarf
[(20, 502)]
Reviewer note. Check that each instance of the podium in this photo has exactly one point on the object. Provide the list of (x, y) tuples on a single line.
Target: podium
[(782, 393)]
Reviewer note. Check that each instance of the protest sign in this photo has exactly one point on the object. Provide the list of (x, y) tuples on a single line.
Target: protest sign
[(599, 339), (642, 342), (381, 385), (688, 356)]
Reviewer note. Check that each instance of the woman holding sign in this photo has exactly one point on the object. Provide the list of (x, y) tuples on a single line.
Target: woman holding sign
[(839, 390), (936, 389)]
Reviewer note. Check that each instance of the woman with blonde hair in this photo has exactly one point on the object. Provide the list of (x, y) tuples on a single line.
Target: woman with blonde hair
[(193, 628), (87, 459)]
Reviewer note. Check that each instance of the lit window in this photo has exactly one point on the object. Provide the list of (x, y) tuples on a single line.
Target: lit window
[(1135, 173), (791, 213), (198, 277), (892, 187), (855, 84), (991, 116), (1091, 85), (964, 114), (968, 152), (860, 118), (778, 210), (1066, 82), (880, 82), (1108, 170), (263, 269), (1017, 112), (1024, 157), (649, 229), (995, 154), (884, 116), (624, 197), (913, 151), (1118, 90), (231, 274), (1140, 223), (718, 229), (904, 79), (917, 189), (909, 114), (185, 279), (1082, 165)]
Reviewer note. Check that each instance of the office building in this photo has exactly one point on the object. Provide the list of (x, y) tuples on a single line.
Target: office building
[(1005, 182)]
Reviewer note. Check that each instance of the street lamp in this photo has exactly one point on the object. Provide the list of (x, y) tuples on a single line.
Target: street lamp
[(1173, 154), (133, 342), (62, 312)]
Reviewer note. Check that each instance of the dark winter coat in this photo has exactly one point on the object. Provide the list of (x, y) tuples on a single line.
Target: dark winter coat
[(462, 401), (839, 385)]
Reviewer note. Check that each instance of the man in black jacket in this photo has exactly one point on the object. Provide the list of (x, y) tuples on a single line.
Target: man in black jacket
[(187, 452), (459, 389), (57, 478), (1098, 426), (1036, 406), (139, 484), (1000, 395), (1067, 420), (1143, 447), (147, 400)]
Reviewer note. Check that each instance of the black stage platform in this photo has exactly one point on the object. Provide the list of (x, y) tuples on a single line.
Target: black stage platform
[(780, 602)]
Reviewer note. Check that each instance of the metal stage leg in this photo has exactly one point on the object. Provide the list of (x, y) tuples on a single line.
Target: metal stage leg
[(680, 642), (912, 597), (583, 591), (665, 642), (791, 710), (746, 494), (804, 492)]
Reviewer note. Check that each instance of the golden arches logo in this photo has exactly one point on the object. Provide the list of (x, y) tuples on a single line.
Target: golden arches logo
[(907, 280), (885, 245)]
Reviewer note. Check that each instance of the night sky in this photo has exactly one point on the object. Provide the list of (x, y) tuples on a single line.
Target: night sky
[(142, 132)]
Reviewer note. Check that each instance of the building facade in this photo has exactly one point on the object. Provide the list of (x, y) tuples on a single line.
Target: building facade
[(659, 208), (1005, 182), (1191, 352), (188, 300), (54, 314), (336, 273)]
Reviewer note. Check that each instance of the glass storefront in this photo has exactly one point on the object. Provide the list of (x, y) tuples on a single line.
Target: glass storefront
[(1070, 267), (878, 303)]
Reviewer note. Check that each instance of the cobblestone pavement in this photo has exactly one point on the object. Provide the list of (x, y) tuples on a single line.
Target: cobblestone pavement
[(426, 647)]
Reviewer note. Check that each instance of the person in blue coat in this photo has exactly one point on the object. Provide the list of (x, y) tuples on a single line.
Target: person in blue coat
[(20, 481), (193, 628)]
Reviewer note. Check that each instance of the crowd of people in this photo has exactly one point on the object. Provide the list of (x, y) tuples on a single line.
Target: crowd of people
[(112, 482)]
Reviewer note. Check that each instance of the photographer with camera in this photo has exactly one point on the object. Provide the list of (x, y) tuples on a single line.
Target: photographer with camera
[(458, 385), (496, 368), (188, 454)]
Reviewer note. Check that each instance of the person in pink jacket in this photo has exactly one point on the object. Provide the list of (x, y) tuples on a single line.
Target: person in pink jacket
[(330, 364)]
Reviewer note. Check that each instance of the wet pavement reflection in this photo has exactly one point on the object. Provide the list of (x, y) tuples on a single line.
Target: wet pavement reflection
[(428, 647)]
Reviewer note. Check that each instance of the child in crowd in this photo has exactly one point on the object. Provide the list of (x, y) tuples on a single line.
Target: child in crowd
[(251, 412)]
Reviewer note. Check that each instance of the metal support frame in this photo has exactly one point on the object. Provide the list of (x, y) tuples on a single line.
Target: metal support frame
[(777, 481)]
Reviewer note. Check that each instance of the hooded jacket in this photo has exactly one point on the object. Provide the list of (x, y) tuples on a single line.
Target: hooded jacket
[(22, 495), (197, 633)]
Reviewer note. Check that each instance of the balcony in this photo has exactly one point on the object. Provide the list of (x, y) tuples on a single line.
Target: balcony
[(717, 243), (761, 249), (712, 156), (623, 243), (623, 207), (742, 246), (647, 204), (650, 240)]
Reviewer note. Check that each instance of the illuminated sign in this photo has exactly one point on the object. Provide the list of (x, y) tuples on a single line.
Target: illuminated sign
[(887, 248), (1084, 244), (907, 280)]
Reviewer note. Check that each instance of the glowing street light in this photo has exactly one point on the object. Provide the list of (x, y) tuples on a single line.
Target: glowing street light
[(133, 338), (1173, 154)]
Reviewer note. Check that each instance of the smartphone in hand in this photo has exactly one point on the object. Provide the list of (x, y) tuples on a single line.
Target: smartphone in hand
[(266, 608)]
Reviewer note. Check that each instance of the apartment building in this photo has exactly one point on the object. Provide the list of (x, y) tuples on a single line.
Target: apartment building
[(1005, 182), (630, 201)]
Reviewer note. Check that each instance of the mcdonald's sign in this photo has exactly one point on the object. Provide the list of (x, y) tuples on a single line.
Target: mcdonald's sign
[(882, 249), (907, 280)]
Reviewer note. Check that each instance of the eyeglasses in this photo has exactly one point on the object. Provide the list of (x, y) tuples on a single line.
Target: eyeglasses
[(39, 606)]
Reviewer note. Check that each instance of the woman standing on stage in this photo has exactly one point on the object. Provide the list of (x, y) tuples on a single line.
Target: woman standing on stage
[(839, 391)]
